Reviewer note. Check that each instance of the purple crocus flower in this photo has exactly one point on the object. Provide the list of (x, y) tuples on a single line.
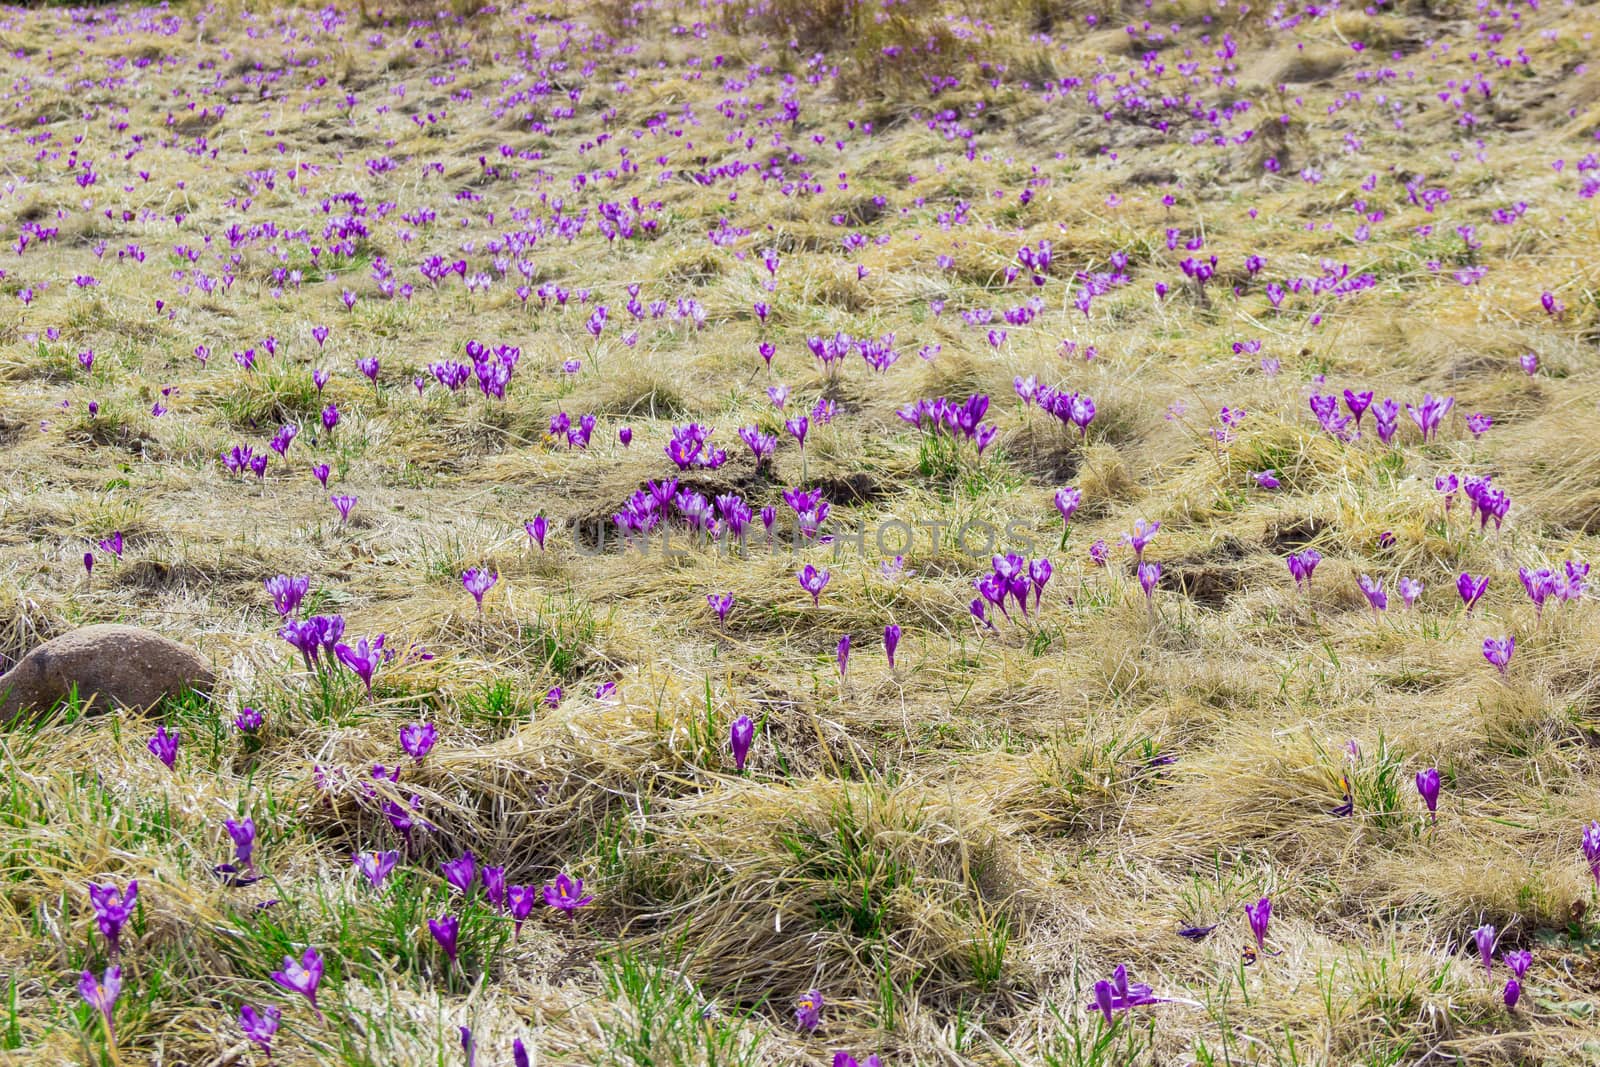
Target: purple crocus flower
[(113, 907), (164, 746), (566, 894), (461, 872), (287, 593), (1302, 565), (248, 721), (740, 736), (344, 502), (1149, 575), (479, 581), (1518, 961), (113, 544), (1512, 994), (813, 581), (1259, 914), (1120, 995), (1068, 499), (520, 899), (844, 1059), (362, 659), (260, 1026), (891, 641), (843, 656), (243, 833), (1484, 936), (302, 977), (1409, 589), (1099, 553), (1471, 589), (417, 738), (88, 563), (1142, 534), (721, 604), (1373, 590), (1428, 787), (377, 866), (330, 417), (101, 995), (320, 472), (445, 930), (808, 1011), (1267, 479), (1591, 850), (494, 887), (537, 530), (1498, 650)]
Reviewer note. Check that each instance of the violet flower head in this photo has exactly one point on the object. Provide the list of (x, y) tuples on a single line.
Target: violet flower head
[(376, 866), (1409, 589), (320, 472), (461, 872), (566, 894), (1484, 937), (113, 907), (520, 899), (537, 529), (1149, 575), (808, 1011), (1067, 500), (1471, 589), (891, 641), (1498, 650), (302, 977), (1099, 553), (344, 502), (287, 593), (1512, 994), (1518, 961), (1267, 479), (1259, 914), (362, 659), (446, 929), (740, 736), (164, 746), (243, 833), (248, 721), (843, 656), (1479, 424), (494, 887), (1428, 788), (1372, 588), (1302, 565), (260, 1026), (417, 738), (479, 581), (1142, 534), (813, 581), (1591, 850), (101, 993), (1120, 995), (721, 604)]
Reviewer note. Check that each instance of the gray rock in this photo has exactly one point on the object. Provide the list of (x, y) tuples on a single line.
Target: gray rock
[(111, 665)]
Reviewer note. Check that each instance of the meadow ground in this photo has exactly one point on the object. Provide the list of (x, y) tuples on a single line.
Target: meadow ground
[(548, 258)]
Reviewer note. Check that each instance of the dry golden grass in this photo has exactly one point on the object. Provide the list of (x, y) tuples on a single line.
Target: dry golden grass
[(952, 851)]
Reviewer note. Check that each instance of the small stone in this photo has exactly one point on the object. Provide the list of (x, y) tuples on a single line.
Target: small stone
[(110, 665)]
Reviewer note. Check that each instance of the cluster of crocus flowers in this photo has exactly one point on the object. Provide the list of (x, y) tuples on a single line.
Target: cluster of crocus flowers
[(1012, 577)]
